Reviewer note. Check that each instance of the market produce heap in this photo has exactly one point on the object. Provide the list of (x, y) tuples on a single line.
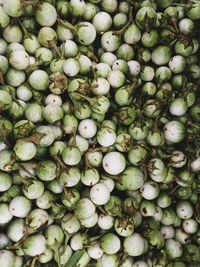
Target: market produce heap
[(99, 133)]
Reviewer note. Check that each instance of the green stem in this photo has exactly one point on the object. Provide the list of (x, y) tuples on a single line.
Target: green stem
[(193, 125), (74, 138), (130, 88), (121, 31), (94, 239), (102, 210), (102, 149), (25, 170), (29, 2), (53, 45), (67, 25), (87, 164), (174, 23), (33, 262), (182, 5), (91, 101), (33, 66), (93, 73), (182, 181), (62, 51), (22, 26), (35, 138), (1, 78), (174, 189), (60, 163)]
